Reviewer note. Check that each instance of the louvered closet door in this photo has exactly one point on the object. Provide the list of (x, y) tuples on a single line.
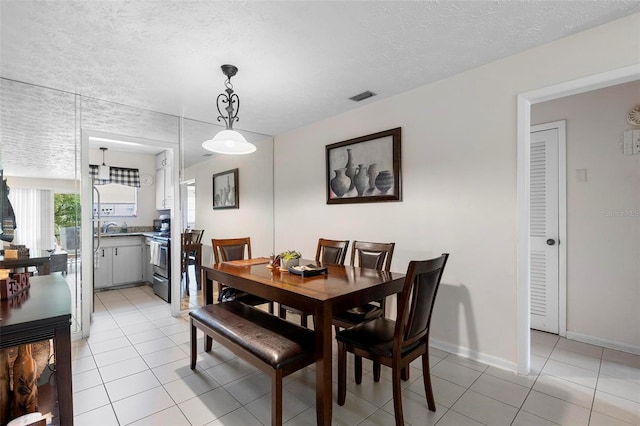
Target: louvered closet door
[(544, 230)]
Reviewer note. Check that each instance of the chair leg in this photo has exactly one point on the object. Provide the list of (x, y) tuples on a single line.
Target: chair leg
[(271, 308), (282, 312), (397, 396), (186, 280), (194, 343), (342, 373), (357, 368), (208, 342), (426, 376), (405, 373), (303, 320), (276, 398), (376, 371)]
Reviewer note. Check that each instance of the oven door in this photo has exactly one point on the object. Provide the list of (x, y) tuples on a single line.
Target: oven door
[(162, 268)]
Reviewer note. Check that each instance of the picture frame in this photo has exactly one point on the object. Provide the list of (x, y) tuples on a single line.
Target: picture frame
[(226, 194), (366, 169)]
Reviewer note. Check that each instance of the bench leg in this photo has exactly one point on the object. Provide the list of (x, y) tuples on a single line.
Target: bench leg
[(194, 344), (276, 398)]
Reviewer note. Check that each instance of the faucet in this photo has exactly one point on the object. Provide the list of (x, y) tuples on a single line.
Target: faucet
[(107, 226)]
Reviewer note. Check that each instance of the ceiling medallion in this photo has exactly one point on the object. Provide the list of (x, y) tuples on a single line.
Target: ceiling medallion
[(229, 141)]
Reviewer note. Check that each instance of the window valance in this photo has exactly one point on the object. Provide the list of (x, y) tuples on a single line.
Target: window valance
[(121, 175)]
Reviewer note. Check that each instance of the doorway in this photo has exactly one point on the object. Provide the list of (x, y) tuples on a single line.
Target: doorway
[(524, 102), (130, 149)]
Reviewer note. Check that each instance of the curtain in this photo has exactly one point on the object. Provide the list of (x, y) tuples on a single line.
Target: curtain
[(34, 217), (121, 175)]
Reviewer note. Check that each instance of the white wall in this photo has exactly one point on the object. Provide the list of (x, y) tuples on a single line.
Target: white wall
[(459, 181), (254, 218), (603, 213)]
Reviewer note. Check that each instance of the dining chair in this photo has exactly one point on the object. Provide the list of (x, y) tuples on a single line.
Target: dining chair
[(373, 256), (197, 234), (332, 252), (329, 252), (235, 249), (397, 343), (188, 239)]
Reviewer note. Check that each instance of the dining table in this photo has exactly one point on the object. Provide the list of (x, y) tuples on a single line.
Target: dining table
[(338, 289)]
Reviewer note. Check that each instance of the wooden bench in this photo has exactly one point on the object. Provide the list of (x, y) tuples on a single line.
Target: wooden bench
[(271, 344)]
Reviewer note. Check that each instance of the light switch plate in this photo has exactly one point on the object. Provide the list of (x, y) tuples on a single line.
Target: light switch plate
[(636, 141)]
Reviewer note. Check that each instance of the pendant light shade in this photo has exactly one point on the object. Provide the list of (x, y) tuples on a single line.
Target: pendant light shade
[(104, 171), (229, 141)]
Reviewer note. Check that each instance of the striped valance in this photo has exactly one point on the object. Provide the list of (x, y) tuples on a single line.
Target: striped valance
[(121, 175)]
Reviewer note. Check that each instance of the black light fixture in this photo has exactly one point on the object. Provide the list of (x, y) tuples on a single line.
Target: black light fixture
[(104, 171), (229, 141)]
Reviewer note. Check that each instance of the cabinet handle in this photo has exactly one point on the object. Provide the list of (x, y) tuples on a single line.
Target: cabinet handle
[(116, 251), (102, 252)]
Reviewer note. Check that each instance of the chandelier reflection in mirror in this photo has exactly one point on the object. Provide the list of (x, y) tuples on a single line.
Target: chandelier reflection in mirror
[(229, 141)]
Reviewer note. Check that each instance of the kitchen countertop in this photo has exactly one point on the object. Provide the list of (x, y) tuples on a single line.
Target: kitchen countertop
[(134, 234)]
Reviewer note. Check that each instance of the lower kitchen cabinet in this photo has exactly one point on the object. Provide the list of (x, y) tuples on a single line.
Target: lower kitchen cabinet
[(119, 264)]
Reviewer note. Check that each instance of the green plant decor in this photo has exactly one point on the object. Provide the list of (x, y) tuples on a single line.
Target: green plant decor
[(290, 254)]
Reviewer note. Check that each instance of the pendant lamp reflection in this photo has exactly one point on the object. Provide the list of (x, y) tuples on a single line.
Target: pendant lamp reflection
[(104, 171), (229, 141)]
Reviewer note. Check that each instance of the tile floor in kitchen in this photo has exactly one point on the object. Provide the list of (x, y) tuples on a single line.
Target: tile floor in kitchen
[(134, 369)]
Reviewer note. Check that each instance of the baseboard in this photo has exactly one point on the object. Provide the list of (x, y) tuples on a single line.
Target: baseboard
[(476, 356), (599, 341)]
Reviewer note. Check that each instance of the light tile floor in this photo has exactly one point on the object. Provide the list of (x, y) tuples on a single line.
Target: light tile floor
[(134, 369)]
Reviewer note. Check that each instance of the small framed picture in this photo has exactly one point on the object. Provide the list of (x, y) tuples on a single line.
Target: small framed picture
[(225, 190), (365, 169)]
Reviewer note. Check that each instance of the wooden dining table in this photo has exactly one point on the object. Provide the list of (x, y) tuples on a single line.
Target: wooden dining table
[(341, 288)]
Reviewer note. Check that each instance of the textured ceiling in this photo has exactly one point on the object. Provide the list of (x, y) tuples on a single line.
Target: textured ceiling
[(298, 61)]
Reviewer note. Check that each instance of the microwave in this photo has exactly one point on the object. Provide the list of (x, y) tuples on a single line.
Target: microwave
[(158, 225)]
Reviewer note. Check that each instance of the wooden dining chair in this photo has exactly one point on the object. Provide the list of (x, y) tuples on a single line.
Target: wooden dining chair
[(397, 343), (332, 252), (197, 234), (329, 252), (189, 239), (236, 249), (373, 256)]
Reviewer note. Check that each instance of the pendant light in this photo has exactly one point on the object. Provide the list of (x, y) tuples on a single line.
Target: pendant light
[(104, 171), (229, 141)]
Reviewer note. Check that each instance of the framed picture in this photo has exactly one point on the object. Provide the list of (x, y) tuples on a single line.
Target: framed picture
[(225, 190), (364, 169)]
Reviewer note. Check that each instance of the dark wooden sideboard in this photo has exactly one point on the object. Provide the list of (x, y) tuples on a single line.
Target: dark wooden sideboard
[(44, 313)]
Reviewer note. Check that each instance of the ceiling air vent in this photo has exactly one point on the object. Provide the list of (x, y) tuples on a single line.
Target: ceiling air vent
[(362, 96)]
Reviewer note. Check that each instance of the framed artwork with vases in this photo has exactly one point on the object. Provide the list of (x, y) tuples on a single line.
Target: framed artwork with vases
[(225, 190), (365, 169)]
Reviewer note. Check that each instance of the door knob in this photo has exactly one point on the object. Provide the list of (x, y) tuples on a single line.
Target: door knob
[(551, 242)]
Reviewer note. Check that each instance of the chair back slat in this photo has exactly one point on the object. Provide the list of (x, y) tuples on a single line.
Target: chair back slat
[(417, 300), (192, 236), (231, 249), (331, 252), (372, 255)]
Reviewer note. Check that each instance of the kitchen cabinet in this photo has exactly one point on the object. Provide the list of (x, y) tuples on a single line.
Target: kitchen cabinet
[(164, 180), (147, 267), (119, 261)]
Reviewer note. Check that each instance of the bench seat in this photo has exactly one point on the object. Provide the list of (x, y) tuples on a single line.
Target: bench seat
[(271, 344)]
